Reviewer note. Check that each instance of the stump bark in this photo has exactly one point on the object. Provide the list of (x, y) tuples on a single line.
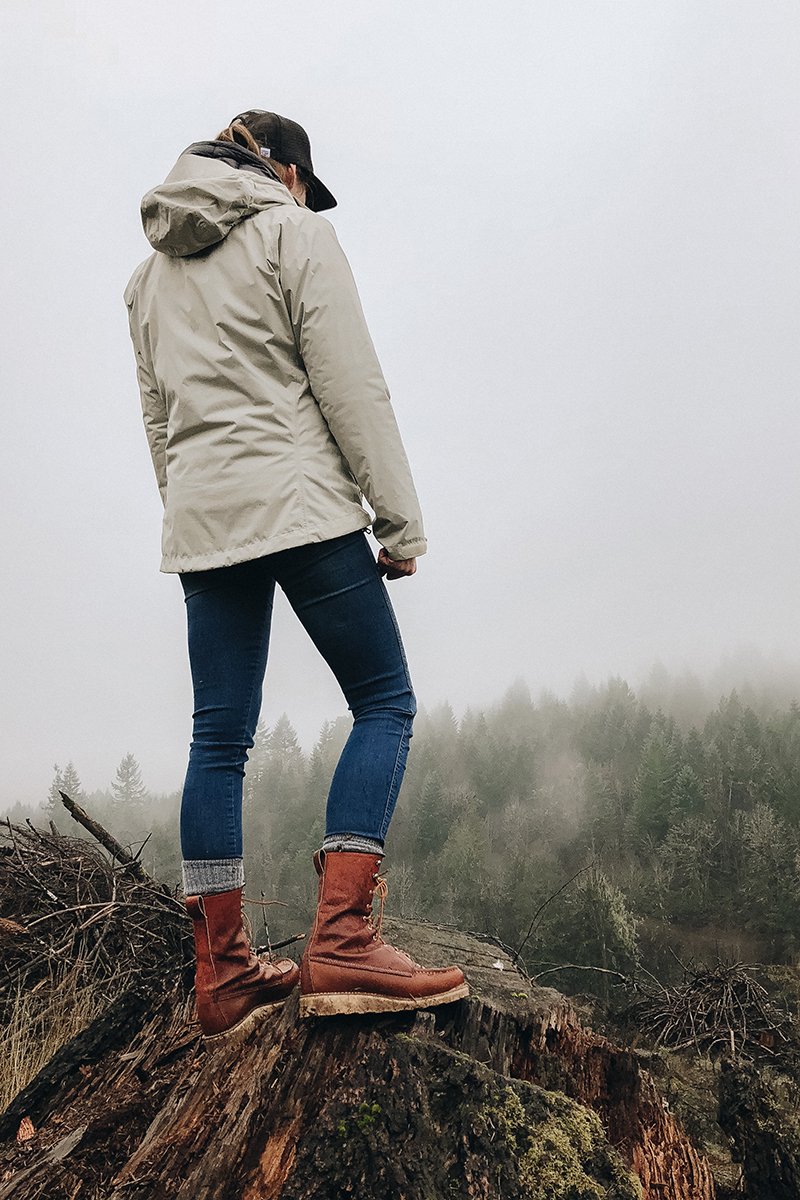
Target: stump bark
[(502, 1095)]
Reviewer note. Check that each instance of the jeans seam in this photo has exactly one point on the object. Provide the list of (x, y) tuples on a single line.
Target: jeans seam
[(384, 825), (400, 646), (231, 780)]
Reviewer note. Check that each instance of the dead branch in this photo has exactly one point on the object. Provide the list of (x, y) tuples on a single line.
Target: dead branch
[(578, 967), (103, 836)]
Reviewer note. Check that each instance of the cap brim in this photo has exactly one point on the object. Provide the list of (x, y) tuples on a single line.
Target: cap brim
[(323, 199)]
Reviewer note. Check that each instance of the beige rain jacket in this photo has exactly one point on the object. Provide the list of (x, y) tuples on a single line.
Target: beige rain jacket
[(264, 404)]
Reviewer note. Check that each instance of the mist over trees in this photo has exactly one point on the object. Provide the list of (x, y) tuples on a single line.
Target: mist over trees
[(598, 831)]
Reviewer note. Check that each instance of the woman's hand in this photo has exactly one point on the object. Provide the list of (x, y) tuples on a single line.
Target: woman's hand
[(395, 568)]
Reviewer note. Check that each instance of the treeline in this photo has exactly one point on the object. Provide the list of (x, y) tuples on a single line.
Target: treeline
[(597, 830), (141, 819)]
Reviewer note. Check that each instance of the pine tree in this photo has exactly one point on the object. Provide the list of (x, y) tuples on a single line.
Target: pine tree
[(70, 781), (285, 792), (591, 925), (255, 767), (655, 784), (66, 781), (429, 818), (323, 760), (53, 802), (128, 789), (52, 805), (687, 794)]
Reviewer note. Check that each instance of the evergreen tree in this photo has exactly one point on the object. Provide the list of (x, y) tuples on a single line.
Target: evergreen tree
[(429, 818), (463, 870), (591, 924), (613, 730), (655, 784), (252, 792), (782, 744), (694, 754), (324, 758), (67, 781), (690, 858), (70, 782), (286, 794), (128, 790), (687, 794), (52, 804), (516, 713)]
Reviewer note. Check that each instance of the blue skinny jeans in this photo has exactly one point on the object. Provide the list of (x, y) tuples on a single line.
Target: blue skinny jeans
[(337, 591)]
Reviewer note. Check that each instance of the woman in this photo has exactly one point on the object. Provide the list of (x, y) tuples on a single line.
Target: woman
[(269, 421)]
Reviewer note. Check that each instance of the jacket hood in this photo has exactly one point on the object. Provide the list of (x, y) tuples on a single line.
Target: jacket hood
[(212, 187)]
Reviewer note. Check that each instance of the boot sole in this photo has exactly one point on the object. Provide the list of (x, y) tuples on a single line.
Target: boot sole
[(247, 1022), (334, 1004)]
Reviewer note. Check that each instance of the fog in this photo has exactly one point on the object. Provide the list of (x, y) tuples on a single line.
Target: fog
[(574, 230)]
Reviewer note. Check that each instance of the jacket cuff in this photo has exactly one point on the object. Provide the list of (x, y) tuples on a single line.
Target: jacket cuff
[(412, 549)]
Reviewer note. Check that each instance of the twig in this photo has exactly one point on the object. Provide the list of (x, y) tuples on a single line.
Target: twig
[(297, 937), (107, 904), (579, 967)]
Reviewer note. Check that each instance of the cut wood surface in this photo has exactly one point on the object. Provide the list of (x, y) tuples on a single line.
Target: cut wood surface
[(505, 1094)]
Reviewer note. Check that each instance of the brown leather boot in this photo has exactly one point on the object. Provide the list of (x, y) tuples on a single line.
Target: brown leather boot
[(347, 967), (232, 985)]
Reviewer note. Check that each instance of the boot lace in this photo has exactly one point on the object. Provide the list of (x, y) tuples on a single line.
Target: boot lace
[(380, 890)]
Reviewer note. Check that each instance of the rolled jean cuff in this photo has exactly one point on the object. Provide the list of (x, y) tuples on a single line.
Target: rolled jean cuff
[(352, 841), (202, 876)]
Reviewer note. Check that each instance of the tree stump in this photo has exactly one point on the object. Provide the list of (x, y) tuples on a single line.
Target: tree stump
[(501, 1095), (763, 1129)]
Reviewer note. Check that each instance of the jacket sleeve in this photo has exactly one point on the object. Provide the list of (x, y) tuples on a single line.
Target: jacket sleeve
[(154, 411), (346, 378)]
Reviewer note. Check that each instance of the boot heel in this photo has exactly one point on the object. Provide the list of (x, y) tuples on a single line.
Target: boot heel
[(231, 982), (246, 1023)]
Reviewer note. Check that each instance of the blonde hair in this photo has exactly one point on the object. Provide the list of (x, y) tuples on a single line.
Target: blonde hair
[(240, 135)]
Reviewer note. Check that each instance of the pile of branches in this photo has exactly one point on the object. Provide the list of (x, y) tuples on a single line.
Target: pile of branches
[(719, 1009), (68, 904)]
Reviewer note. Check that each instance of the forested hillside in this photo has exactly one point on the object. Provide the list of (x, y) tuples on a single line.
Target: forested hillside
[(651, 827)]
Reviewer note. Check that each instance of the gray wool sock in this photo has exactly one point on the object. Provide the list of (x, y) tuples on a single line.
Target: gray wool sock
[(203, 876), (352, 841)]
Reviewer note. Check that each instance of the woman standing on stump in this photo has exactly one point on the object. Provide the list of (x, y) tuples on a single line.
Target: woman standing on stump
[(268, 420)]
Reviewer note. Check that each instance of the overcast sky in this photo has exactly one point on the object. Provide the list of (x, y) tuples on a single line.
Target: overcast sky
[(574, 225)]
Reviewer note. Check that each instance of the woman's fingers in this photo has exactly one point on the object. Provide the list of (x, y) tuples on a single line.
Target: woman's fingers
[(394, 568)]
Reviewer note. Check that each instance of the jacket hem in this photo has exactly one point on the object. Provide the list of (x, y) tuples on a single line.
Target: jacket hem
[(178, 564)]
